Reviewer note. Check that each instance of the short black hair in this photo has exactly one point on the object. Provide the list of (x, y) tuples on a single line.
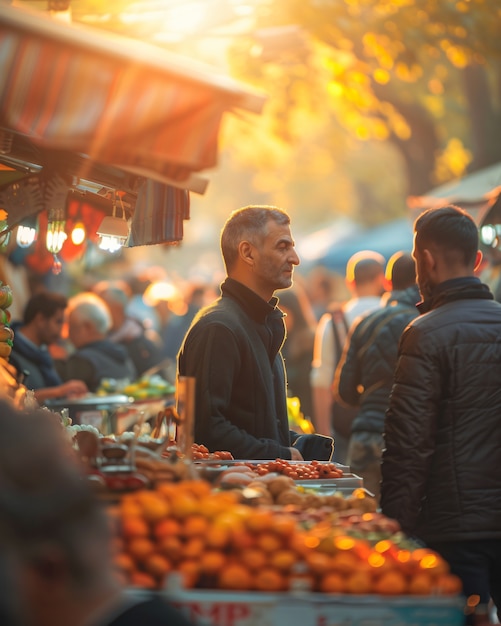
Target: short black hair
[(46, 302), (401, 270), (450, 229)]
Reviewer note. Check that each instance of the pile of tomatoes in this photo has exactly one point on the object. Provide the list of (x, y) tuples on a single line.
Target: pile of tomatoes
[(299, 471), (199, 451)]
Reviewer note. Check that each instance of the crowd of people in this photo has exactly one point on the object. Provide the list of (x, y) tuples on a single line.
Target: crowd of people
[(399, 371)]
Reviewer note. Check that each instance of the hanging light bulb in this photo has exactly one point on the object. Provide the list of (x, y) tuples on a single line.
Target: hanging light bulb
[(55, 236), (27, 232), (113, 230), (78, 234)]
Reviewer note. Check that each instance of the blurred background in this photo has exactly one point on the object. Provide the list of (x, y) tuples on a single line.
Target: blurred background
[(370, 106)]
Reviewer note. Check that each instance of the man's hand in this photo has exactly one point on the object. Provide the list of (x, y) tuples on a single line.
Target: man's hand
[(73, 389), (296, 455)]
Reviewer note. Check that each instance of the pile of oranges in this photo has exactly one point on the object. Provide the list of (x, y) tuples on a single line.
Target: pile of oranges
[(213, 541)]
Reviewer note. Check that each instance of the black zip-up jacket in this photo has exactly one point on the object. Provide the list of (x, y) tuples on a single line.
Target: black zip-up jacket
[(364, 376), (441, 476), (232, 349)]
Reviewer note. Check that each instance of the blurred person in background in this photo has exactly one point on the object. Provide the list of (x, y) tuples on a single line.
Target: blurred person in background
[(166, 298), (322, 286), (95, 356), (364, 375), (194, 300), (298, 347), (365, 280), (136, 306), (57, 536), (143, 345), (41, 327), (440, 470)]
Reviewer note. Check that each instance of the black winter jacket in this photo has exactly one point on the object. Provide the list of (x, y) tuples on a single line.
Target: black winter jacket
[(233, 350), (365, 373), (441, 476)]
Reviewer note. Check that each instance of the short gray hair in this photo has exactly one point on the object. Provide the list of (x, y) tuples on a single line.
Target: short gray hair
[(91, 308), (247, 223)]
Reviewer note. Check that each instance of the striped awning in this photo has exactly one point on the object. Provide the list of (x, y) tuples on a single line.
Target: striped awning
[(115, 100)]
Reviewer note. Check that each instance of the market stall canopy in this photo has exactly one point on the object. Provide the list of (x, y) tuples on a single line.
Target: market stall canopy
[(107, 110), (476, 193)]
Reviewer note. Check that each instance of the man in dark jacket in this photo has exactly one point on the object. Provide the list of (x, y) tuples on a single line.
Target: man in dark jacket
[(95, 357), (440, 471), (233, 346), (364, 375), (42, 324)]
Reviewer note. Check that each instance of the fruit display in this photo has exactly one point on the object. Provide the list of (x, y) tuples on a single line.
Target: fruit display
[(145, 388), (6, 334), (214, 540)]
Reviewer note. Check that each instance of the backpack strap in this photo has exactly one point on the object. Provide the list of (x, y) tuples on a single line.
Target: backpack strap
[(384, 316), (340, 329)]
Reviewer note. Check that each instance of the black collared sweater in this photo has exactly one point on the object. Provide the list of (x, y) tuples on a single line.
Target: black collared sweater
[(232, 349)]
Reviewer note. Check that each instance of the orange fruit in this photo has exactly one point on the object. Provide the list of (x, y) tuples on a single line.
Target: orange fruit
[(124, 562), (319, 562), (140, 547), (253, 558), (193, 548), (448, 584), (391, 583), (197, 488), (154, 507), (157, 565), (283, 560), (379, 563), (194, 526), (171, 547), (218, 536), (242, 539), (359, 582), (268, 542), (190, 572), (183, 506), (130, 507), (212, 562), (134, 527), (167, 528), (141, 579), (344, 562), (270, 579), (435, 564), (260, 520), (167, 490), (236, 577), (332, 582), (284, 526), (421, 584)]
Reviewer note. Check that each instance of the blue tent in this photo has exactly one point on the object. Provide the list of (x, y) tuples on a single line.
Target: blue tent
[(385, 238)]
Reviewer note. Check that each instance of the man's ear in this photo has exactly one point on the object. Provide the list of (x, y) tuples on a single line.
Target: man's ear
[(428, 259), (246, 252), (478, 260)]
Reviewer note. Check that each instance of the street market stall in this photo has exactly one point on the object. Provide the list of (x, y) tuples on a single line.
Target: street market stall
[(96, 114)]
